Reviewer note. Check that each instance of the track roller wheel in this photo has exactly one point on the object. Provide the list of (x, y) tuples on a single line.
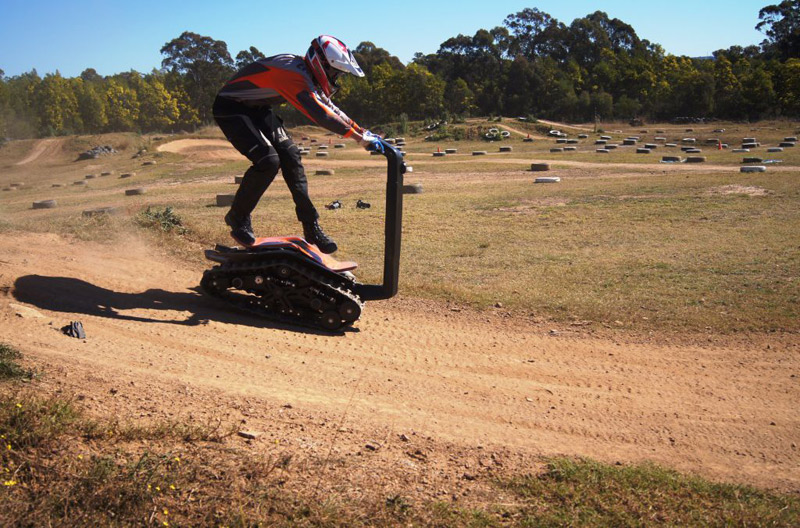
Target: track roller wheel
[(331, 320), (350, 311), (284, 272)]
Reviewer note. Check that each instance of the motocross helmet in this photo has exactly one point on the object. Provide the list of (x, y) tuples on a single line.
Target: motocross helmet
[(328, 58)]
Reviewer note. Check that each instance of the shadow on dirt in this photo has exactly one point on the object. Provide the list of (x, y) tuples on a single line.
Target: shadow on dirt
[(65, 294)]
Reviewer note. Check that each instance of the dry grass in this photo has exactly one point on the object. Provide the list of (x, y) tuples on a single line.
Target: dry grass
[(636, 247), (60, 467)]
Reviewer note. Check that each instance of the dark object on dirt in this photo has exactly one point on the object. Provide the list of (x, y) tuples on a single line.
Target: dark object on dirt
[(362, 205), (336, 204), (74, 329), (99, 211), (96, 152)]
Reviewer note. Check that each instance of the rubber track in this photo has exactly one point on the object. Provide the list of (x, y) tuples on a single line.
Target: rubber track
[(253, 304)]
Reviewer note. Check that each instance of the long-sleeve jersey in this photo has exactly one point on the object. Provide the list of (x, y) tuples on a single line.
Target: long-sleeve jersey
[(285, 78)]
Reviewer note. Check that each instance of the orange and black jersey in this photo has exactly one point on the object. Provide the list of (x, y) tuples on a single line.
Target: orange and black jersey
[(285, 78)]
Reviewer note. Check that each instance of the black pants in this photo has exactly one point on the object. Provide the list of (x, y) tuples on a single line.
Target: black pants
[(258, 133)]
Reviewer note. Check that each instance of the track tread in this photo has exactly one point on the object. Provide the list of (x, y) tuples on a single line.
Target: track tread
[(253, 301)]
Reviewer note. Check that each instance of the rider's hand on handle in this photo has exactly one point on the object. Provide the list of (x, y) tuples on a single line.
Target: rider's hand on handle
[(371, 142)]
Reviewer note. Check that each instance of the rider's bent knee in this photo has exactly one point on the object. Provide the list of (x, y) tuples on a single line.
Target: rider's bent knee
[(268, 163)]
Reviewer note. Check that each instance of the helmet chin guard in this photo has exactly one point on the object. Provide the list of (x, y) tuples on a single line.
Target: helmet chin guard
[(328, 58)]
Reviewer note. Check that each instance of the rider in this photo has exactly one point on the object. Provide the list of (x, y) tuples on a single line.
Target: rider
[(243, 110)]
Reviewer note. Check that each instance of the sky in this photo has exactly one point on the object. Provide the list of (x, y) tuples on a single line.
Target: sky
[(116, 36)]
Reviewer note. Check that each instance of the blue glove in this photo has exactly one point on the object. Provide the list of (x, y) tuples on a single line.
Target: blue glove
[(371, 142)]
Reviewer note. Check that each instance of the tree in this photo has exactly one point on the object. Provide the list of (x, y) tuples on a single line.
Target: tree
[(57, 106), (790, 87), (458, 98), (245, 57), (91, 75), (518, 94), (158, 110), (91, 105), (758, 92), (123, 106), (203, 63), (727, 90), (368, 55), (536, 33), (415, 92), (781, 24)]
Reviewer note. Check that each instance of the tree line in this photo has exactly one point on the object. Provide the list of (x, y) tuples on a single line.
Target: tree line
[(533, 65)]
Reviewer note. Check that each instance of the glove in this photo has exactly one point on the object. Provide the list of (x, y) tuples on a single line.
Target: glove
[(371, 142)]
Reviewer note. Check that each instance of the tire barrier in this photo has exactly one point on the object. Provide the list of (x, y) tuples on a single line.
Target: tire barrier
[(45, 204), (225, 200)]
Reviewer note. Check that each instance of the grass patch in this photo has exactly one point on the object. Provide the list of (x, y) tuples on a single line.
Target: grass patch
[(62, 468), (166, 220), (9, 368), (56, 473), (582, 492)]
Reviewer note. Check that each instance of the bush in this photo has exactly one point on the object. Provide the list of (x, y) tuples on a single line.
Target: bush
[(9, 369), (166, 220)]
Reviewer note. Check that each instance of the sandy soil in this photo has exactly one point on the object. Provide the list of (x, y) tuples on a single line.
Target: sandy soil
[(466, 390)]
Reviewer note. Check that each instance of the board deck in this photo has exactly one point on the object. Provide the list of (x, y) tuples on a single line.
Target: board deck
[(310, 250)]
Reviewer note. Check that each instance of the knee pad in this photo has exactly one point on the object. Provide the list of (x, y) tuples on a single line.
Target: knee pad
[(266, 160)]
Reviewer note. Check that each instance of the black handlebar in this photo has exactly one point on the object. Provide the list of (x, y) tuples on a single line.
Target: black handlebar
[(393, 228)]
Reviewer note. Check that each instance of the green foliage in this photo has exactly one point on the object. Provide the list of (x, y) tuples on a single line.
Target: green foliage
[(57, 106), (165, 220), (248, 56), (587, 493), (123, 106), (595, 67), (204, 65), (9, 368), (781, 23)]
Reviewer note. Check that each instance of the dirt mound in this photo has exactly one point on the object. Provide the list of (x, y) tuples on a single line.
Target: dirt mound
[(466, 378)]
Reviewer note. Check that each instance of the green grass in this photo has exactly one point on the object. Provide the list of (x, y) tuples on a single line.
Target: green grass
[(165, 220), (9, 368), (583, 492)]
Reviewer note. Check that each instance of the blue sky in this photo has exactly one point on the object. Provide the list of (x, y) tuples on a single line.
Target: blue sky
[(109, 36)]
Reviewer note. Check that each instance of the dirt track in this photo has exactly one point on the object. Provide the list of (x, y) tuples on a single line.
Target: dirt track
[(216, 150), (44, 148), (471, 380)]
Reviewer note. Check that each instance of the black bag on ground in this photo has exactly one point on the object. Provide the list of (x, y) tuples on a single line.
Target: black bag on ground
[(74, 329)]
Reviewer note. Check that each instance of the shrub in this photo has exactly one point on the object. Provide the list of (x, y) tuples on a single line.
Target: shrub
[(9, 369), (166, 220)]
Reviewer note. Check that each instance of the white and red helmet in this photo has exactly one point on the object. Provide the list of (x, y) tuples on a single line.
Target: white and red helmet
[(327, 58)]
